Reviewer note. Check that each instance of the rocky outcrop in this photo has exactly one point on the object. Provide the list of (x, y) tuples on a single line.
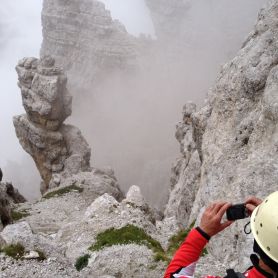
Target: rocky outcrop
[(55, 147), (88, 43), (8, 197), (236, 134)]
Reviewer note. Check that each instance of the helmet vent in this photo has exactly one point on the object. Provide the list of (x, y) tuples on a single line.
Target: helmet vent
[(266, 200), (268, 248), (261, 224), (257, 232)]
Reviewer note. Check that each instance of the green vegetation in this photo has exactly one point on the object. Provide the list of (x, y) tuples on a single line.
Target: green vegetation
[(132, 234), (63, 191), (204, 252), (82, 262), (42, 256), (15, 251), (126, 235), (176, 240), (17, 215)]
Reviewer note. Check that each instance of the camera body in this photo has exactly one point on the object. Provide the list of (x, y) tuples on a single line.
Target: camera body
[(236, 212)]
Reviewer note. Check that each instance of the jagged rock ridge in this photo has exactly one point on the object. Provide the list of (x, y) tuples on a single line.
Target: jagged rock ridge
[(235, 135)]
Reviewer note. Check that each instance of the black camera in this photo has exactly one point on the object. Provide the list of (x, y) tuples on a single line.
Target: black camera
[(236, 212)]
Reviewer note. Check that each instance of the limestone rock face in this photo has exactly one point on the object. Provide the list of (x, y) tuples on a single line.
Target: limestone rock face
[(186, 171), (54, 146), (88, 42), (235, 135)]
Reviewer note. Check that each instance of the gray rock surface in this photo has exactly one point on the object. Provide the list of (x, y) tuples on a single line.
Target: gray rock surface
[(104, 213), (186, 171), (126, 261), (235, 136), (55, 147), (65, 226)]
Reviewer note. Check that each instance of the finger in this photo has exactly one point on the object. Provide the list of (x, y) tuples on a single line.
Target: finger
[(250, 207), (226, 224), (211, 206), (253, 200), (223, 209), (218, 206)]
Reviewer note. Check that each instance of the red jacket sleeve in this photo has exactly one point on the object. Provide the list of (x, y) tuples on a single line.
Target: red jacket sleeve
[(188, 253)]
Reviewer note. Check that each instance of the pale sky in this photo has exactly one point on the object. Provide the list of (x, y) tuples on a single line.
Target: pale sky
[(20, 36), (134, 14)]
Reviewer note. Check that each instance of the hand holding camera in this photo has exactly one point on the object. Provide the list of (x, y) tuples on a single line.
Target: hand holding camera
[(212, 216), (211, 219)]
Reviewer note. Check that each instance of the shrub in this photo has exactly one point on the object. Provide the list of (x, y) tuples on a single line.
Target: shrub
[(82, 262), (63, 191)]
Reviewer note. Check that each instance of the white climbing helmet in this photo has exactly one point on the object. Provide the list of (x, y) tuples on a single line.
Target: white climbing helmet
[(264, 226)]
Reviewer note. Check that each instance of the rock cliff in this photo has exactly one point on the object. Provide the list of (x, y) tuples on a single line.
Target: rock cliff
[(235, 136), (88, 43)]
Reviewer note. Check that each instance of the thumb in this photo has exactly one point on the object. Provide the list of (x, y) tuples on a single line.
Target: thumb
[(226, 224)]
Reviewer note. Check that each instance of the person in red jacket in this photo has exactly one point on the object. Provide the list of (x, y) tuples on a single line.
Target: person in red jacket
[(264, 227)]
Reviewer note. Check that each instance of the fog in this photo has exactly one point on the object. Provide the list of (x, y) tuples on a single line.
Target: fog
[(20, 36), (134, 14), (130, 124)]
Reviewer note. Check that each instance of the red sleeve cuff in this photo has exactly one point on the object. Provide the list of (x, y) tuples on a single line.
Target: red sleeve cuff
[(188, 253)]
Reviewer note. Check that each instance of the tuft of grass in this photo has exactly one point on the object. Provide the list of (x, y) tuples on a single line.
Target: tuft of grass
[(42, 256), (16, 251), (17, 215), (204, 252), (176, 240), (126, 235), (63, 191), (82, 262), (132, 234)]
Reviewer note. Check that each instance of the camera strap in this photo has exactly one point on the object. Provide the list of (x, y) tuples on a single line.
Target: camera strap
[(245, 228)]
